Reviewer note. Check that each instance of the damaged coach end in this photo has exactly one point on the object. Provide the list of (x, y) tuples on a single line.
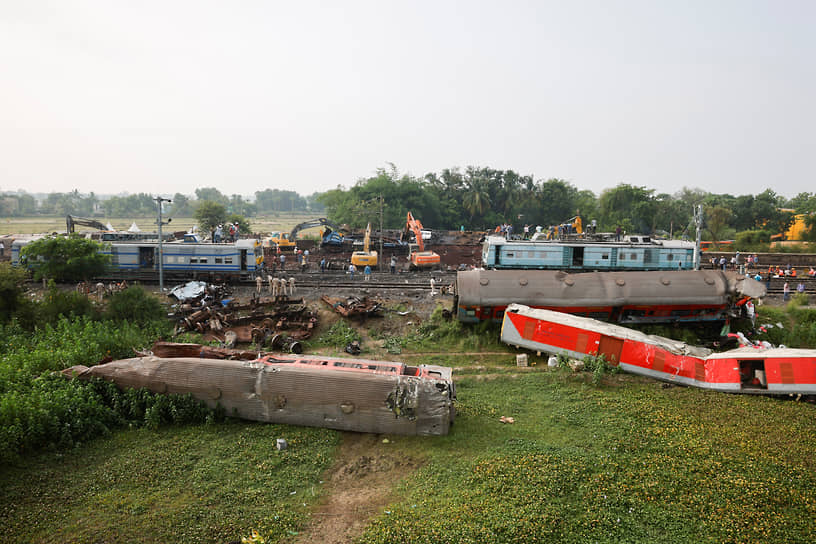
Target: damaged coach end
[(336, 393)]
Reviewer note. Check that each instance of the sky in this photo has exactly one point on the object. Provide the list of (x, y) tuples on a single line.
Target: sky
[(168, 96)]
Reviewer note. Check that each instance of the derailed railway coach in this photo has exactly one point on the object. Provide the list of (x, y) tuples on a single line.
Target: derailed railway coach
[(750, 369), (241, 259), (618, 297), (596, 253)]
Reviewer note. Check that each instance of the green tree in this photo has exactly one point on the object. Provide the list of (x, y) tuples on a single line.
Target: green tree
[(180, 205), (212, 194), (209, 215), (628, 206), (12, 286), (717, 222), (65, 259), (476, 200)]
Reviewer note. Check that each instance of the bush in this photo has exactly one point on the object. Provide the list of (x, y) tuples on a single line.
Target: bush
[(12, 286), (134, 304), (57, 303)]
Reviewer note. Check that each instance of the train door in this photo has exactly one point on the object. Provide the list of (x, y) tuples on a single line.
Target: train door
[(244, 259), (146, 257), (752, 374), (577, 257), (611, 349)]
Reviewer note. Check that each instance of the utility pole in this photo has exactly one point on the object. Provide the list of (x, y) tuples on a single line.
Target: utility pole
[(698, 222), (159, 222), (380, 258)]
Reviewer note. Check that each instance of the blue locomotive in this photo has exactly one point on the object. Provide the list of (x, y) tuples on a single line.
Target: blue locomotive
[(587, 254)]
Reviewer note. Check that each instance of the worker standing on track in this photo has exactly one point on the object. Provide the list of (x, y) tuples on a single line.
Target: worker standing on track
[(367, 272)]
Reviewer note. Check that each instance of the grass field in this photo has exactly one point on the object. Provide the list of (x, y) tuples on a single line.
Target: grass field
[(628, 461), (36, 225)]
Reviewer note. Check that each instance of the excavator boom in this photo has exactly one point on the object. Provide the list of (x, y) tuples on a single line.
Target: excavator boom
[(71, 221), (420, 258)]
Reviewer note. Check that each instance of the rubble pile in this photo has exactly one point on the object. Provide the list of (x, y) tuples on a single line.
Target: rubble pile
[(277, 322)]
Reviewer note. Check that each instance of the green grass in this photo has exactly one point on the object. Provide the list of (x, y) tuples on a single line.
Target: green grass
[(627, 462), (207, 483)]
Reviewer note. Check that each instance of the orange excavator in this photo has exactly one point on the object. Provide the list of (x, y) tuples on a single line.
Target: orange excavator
[(418, 256)]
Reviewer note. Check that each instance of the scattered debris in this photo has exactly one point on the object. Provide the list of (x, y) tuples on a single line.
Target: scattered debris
[(353, 306), (354, 348), (278, 322), (505, 419)]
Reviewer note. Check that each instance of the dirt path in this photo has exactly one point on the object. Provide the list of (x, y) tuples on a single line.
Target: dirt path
[(358, 486)]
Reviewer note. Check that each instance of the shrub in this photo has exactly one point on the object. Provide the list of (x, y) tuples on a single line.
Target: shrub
[(57, 303), (12, 286), (134, 304), (338, 336)]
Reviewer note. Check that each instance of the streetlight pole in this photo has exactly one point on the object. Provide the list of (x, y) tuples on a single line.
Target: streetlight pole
[(159, 222), (698, 222)]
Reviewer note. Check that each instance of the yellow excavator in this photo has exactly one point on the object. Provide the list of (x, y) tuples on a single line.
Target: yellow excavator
[(365, 257)]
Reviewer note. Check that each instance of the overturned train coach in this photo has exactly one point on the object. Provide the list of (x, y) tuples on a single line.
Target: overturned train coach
[(620, 297), (748, 369), (336, 393)]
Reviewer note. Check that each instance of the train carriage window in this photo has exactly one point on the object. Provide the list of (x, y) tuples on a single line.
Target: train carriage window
[(509, 255), (193, 260), (202, 260), (605, 256), (227, 260), (669, 257), (218, 260)]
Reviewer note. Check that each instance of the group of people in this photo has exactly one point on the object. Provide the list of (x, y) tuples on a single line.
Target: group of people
[(232, 231), (751, 261), (786, 291)]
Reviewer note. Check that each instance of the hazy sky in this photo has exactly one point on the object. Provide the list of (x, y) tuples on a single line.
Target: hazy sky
[(168, 96)]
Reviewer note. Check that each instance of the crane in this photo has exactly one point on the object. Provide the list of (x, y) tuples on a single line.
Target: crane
[(329, 235), (70, 221), (365, 257), (418, 256)]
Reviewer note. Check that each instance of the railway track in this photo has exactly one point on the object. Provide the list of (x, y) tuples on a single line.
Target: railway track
[(328, 279)]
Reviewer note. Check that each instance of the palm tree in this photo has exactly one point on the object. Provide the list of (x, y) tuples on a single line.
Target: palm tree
[(476, 200)]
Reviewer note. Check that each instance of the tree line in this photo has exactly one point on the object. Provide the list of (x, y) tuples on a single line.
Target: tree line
[(482, 198), (473, 198), (268, 201)]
